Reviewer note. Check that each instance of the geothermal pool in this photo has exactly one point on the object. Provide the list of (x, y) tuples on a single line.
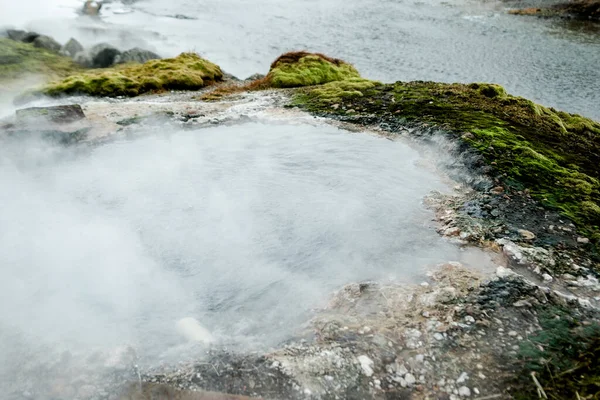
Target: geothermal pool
[(246, 228)]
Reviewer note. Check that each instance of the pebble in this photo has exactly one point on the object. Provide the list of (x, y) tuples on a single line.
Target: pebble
[(547, 278), (583, 240), (419, 358), (438, 336), (410, 379), (512, 333), (366, 364), (525, 234), (469, 319), (464, 391), (462, 378)]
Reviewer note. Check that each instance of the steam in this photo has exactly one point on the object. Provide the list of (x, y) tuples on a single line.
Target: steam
[(244, 228)]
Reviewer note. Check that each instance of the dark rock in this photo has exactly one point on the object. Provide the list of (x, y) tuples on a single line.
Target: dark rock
[(22, 36), (136, 55), (103, 55), (254, 77), (46, 42), (71, 48), (229, 77), (56, 114)]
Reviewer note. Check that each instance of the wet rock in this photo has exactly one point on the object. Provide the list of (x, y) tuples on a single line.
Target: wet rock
[(56, 114), (22, 36), (71, 48), (46, 42), (102, 55), (135, 55)]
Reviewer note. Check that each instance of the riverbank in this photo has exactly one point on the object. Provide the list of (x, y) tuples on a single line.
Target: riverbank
[(587, 10), (530, 326)]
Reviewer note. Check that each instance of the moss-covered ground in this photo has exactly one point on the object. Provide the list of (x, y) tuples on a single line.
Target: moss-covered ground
[(553, 154), (564, 356), (19, 59), (188, 71), (296, 69)]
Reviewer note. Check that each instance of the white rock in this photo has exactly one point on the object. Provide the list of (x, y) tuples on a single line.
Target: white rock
[(401, 370), (469, 319), (464, 391), (438, 336), (462, 378), (503, 272), (410, 379), (583, 240), (419, 358), (512, 333), (366, 364), (547, 278)]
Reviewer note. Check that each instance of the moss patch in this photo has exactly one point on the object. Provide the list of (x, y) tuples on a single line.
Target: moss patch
[(564, 355), (188, 71), (298, 69), (552, 153), (18, 59)]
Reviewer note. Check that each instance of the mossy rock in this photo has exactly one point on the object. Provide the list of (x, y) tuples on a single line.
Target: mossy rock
[(552, 153), (20, 59), (188, 71), (301, 68)]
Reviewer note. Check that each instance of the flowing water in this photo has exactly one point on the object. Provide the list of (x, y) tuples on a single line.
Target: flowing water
[(554, 63)]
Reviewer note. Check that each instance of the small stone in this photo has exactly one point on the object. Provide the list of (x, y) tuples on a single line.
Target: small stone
[(454, 231), (522, 303), (366, 364), (469, 319), (419, 358), (547, 278), (512, 333), (438, 336), (401, 370), (410, 379), (481, 376), (583, 240), (462, 378), (464, 391), (476, 391), (425, 314), (525, 234)]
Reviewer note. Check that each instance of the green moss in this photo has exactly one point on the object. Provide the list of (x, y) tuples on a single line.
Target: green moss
[(188, 71), (554, 154), (334, 92), (564, 355), (18, 59), (305, 69)]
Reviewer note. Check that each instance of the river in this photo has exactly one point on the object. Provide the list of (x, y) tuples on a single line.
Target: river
[(554, 63)]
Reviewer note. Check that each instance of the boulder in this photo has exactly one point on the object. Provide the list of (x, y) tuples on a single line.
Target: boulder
[(22, 36), (71, 48), (55, 114), (103, 55), (136, 55), (46, 42)]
